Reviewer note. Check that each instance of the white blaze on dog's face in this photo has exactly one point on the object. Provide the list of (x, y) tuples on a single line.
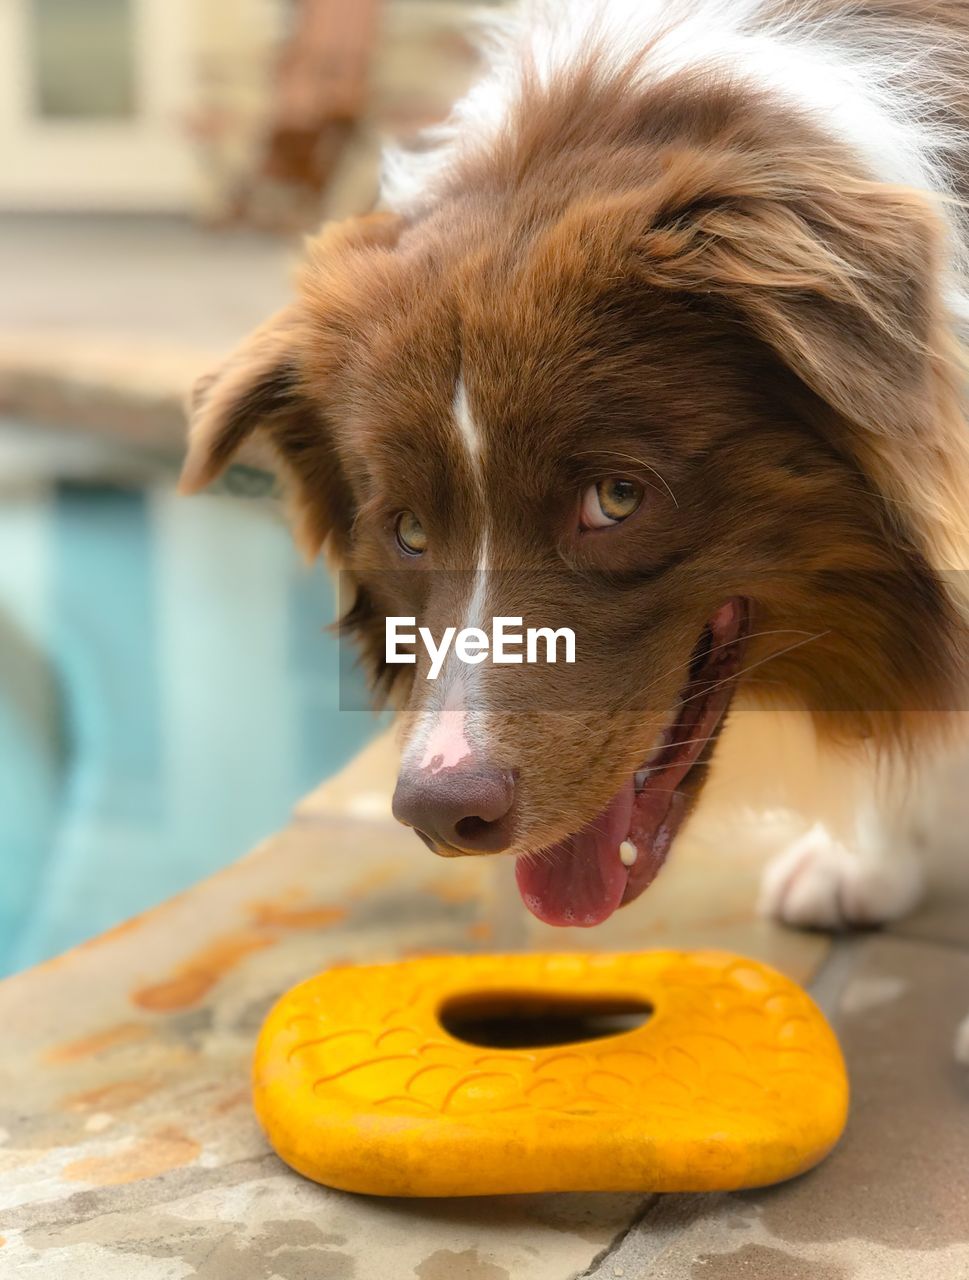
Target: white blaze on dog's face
[(451, 719), (444, 745), (446, 715), (624, 375)]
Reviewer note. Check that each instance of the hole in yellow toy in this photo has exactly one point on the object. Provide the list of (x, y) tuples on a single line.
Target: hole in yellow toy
[(524, 1020)]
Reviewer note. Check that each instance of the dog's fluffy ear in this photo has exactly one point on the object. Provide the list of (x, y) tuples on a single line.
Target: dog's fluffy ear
[(251, 409), (838, 274), (255, 388), (254, 408), (844, 279)]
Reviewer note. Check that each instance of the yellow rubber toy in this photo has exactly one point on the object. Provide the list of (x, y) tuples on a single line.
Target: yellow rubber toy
[(734, 1081)]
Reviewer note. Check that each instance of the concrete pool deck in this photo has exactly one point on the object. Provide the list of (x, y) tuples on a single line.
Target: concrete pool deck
[(106, 322), (128, 1150)]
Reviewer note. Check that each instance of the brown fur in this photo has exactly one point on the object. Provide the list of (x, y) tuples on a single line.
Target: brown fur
[(683, 284)]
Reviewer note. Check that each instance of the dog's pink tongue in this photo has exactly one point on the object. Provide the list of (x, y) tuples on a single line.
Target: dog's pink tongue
[(581, 880)]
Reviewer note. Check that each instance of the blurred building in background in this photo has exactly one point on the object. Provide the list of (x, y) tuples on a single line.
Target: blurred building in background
[(263, 110)]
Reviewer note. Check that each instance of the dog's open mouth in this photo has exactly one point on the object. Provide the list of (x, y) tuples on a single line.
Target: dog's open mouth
[(585, 877)]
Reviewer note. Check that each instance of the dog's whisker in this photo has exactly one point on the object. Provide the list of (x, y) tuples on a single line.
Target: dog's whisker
[(637, 462), (770, 657), (725, 644), (661, 724)]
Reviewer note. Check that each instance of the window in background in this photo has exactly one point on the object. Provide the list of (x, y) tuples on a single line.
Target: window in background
[(83, 59)]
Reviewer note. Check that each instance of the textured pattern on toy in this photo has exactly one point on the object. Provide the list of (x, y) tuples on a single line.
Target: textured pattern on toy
[(735, 1080)]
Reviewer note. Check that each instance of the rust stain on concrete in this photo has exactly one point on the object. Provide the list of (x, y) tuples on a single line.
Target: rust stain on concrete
[(378, 877), (90, 1046), (237, 1098), (166, 1149), (116, 931), (194, 979), (91, 944), (277, 915), (110, 1097), (51, 963)]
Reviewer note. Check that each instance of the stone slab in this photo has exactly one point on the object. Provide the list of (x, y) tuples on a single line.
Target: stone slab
[(892, 1202)]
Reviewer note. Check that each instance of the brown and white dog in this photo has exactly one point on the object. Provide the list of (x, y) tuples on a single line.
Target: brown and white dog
[(658, 338)]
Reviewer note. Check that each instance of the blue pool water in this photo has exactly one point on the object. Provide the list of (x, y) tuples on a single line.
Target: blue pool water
[(167, 691)]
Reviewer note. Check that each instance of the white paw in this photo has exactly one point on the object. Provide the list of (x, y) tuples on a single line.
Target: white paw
[(962, 1043), (818, 883)]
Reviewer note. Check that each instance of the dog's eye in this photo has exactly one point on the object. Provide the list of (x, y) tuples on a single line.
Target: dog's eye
[(609, 502), (411, 537)]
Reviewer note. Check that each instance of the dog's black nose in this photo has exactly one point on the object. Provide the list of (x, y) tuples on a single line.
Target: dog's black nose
[(467, 809)]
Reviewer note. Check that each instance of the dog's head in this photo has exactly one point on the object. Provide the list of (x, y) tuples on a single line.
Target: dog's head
[(699, 416)]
